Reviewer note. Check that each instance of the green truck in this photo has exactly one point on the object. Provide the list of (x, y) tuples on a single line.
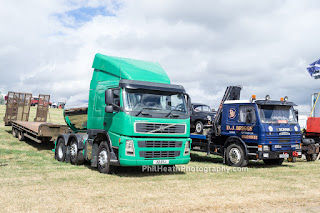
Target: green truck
[(134, 117)]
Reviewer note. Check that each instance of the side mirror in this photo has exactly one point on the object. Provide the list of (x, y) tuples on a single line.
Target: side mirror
[(109, 97), (109, 109), (189, 103)]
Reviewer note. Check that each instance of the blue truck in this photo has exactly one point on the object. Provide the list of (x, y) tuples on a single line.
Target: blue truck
[(252, 129)]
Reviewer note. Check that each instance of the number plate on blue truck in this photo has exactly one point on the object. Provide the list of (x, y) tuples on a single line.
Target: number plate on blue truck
[(283, 155)]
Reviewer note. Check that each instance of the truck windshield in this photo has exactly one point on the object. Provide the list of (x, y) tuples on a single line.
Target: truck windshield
[(276, 114), (154, 102)]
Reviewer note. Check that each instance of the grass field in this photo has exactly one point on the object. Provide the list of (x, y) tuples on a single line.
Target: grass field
[(31, 180)]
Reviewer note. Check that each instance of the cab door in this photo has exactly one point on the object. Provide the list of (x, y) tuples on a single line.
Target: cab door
[(248, 129)]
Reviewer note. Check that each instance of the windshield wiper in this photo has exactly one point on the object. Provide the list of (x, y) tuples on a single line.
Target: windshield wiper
[(150, 108), (173, 114)]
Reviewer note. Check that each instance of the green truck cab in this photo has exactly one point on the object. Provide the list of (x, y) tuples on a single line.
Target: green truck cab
[(134, 117)]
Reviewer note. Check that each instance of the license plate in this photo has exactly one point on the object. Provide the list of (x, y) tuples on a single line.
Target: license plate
[(157, 162), (283, 155), (277, 146)]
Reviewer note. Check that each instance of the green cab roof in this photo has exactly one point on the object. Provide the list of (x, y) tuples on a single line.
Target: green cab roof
[(131, 69)]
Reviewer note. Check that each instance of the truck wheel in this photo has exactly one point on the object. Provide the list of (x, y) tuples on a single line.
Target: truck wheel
[(309, 157), (60, 152), (235, 156), (104, 158), (199, 127), (273, 161), (21, 136), (76, 155), (14, 132)]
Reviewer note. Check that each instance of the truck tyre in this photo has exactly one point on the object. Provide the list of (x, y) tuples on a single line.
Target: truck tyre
[(60, 152), (235, 155), (199, 127), (103, 158), (14, 132), (76, 155), (273, 161), (21, 136)]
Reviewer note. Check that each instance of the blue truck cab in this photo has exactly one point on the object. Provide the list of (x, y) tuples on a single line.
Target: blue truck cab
[(253, 130)]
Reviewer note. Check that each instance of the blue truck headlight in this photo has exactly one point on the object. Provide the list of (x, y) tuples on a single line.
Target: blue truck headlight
[(270, 128), (296, 146), (266, 148), (187, 148), (130, 148)]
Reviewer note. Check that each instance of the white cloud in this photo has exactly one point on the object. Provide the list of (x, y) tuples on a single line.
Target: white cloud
[(204, 45)]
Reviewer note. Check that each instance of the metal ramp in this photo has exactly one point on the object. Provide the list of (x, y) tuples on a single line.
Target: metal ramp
[(43, 108), (18, 107)]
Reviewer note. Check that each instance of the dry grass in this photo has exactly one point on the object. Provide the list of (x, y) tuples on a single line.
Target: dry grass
[(32, 181)]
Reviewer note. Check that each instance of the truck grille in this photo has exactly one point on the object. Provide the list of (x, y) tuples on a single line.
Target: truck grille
[(160, 144), (158, 128), (159, 154)]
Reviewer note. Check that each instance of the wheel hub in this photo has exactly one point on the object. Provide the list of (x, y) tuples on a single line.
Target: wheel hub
[(103, 158), (60, 151), (73, 149), (234, 155), (198, 127)]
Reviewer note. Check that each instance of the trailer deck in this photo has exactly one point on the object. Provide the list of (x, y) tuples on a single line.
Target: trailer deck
[(38, 131)]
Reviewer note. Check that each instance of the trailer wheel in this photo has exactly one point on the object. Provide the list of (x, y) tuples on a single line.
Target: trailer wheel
[(199, 127), (273, 161), (21, 136), (235, 156), (104, 158), (14, 132), (60, 152), (76, 155)]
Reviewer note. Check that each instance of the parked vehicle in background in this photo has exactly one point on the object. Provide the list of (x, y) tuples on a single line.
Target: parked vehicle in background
[(35, 102), (201, 117)]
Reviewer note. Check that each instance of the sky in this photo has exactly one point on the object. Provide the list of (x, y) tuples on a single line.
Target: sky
[(205, 45)]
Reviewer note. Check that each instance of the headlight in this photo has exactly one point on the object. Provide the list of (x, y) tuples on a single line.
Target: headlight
[(187, 148), (296, 128), (296, 146), (130, 148), (209, 118), (266, 148), (270, 128)]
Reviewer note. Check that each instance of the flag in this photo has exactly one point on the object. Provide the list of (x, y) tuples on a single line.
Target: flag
[(314, 69)]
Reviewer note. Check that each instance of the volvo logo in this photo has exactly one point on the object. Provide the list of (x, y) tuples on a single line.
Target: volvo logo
[(161, 128)]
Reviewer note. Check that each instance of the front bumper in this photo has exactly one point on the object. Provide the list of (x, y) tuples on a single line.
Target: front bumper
[(278, 154), (145, 156)]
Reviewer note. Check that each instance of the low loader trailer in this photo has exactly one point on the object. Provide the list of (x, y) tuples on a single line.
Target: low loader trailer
[(37, 131), (133, 117), (17, 116), (252, 129)]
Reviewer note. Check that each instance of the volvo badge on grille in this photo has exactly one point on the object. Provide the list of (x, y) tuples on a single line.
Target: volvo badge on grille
[(161, 128)]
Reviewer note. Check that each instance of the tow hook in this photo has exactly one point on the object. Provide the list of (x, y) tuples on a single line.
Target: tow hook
[(295, 154)]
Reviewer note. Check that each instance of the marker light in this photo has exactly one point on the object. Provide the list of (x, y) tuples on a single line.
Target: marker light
[(285, 98), (253, 97), (281, 99), (267, 97)]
